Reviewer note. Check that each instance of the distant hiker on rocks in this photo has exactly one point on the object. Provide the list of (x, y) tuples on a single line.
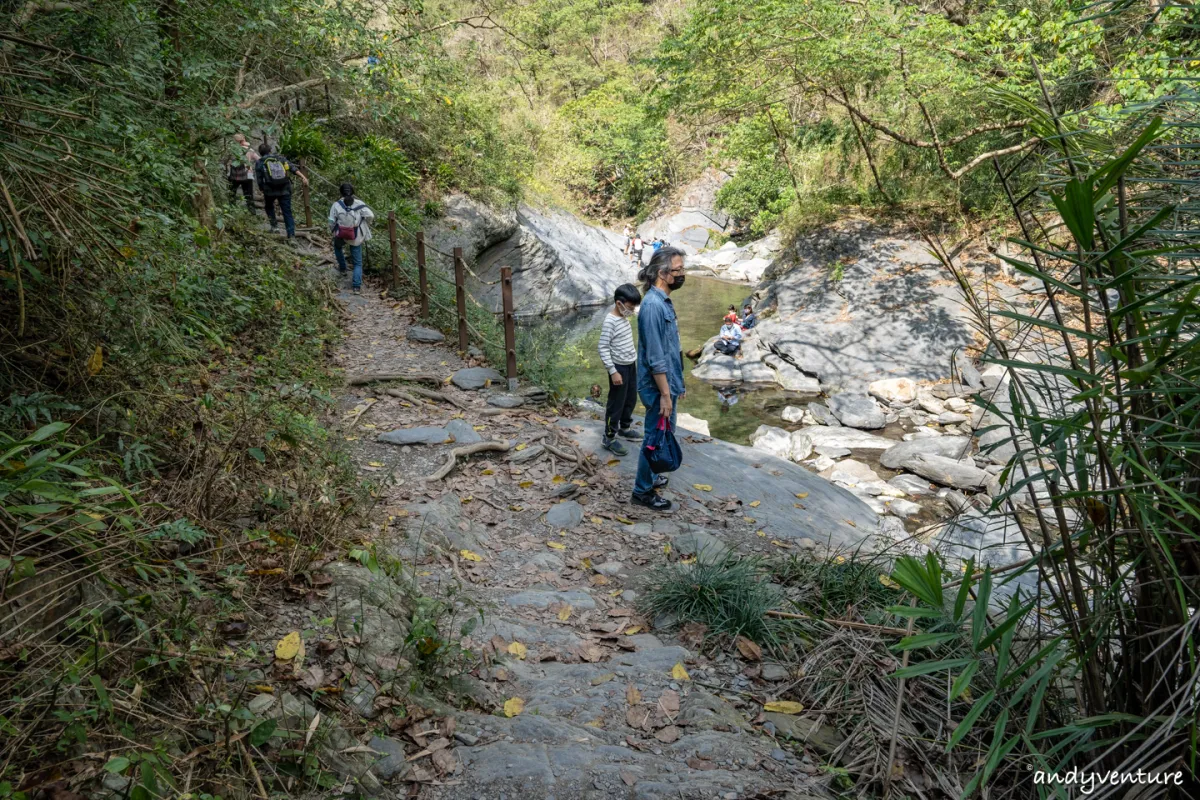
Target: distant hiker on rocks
[(349, 222), (635, 250), (730, 341), (749, 320), (273, 173), (619, 357), (659, 362), (657, 245), (237, 170), (627, 232)]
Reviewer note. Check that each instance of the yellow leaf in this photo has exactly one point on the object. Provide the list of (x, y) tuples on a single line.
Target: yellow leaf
[(778, 543), (521, 446), (667, 549), (749, 520), (688, 560), (558, 479), (850, 522), (597, 521), (586, 563), (633, 630), (517, 649), (447, 381), (262, 687), (525, 484), (762, 533), (755, 503), (488, 472), (564, 613), (802, 495), (513, 706), (376, 463), (96, 362), (612, 462), (480, 427), (624, 521), (887, 581), (469, 556), (556, 545), (784, 707), (704, 487), (679, 673), (287, 647), (516, 508)]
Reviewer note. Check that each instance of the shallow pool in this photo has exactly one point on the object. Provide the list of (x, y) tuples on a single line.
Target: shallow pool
[(700, 305)]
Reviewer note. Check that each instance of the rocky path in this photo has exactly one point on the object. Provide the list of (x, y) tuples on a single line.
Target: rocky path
[(530, 562)]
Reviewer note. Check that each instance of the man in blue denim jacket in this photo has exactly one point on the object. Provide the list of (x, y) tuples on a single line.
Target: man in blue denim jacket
[(660, 362)]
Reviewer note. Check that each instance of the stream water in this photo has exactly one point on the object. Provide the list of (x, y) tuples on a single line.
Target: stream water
[(732, 415)]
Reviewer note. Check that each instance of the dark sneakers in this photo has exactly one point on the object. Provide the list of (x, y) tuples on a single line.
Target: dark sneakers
[(614, 446), (651, 501), (630, 434)]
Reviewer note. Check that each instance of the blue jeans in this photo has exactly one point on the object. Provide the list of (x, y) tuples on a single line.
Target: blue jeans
[(644, 482), (285, 208), (355, 256)]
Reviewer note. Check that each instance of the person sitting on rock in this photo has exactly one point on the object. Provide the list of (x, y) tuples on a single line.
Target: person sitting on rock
[(731, 317), (730, 342), (749, 320)]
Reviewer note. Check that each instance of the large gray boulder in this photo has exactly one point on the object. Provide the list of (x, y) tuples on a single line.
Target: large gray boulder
[(827, 513), (857, 410), (474, 378), (893, 312), (947, 471), (824, 436), (422, 434), (956, 447), (559, 262)]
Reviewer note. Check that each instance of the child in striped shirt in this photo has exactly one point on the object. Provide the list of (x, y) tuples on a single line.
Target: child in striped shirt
[(619, 357)]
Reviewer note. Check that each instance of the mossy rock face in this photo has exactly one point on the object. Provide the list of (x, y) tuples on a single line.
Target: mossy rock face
[(821, 737)]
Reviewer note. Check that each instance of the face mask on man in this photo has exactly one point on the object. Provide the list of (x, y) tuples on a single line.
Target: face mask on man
[(677, 281)]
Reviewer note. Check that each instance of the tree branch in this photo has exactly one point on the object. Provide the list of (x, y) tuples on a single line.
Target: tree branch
[(254, 98)]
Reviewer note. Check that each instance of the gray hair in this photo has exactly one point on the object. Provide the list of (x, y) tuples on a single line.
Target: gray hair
[(660, 262)]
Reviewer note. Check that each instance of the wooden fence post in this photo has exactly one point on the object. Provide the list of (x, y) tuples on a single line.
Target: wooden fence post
[(460, 296), (395, 252), (510, 334), (422, 278), (304, 193)]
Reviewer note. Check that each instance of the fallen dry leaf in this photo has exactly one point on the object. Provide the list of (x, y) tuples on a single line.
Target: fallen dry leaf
[(513, 706), (783, 707), (668, 734), (517, 649), (703, 487), (632, 695), (749, 650), (469, 556), (669, 702), (679, 673), (287, 647)]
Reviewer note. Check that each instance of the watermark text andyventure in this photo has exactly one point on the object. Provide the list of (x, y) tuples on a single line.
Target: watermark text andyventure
[(1088, 782)]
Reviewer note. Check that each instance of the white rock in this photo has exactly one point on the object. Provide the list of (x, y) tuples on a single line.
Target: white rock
[(775, 441), (802, 446), (929, 403), (903, 508), (957, 404), (951, 418), (793, 414), (894, 390), (852, 473), (846, 437), (822, 463), (694, 424)]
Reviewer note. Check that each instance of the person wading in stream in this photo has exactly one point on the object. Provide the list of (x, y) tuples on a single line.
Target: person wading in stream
[(350, 223), (619, 357), (659, 362)]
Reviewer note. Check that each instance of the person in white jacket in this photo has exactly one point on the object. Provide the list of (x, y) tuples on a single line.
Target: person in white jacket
[(350, 223)]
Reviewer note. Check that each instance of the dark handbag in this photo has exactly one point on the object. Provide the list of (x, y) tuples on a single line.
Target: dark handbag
[(661, 450)]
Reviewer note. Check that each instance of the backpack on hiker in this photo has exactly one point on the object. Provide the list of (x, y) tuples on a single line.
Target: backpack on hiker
[(276, 171), (348, 222), (238, 171)]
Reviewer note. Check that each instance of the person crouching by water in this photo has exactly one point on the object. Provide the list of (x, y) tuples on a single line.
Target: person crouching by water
[(619, 357), (349, 222), (730, 341), (659, 362)]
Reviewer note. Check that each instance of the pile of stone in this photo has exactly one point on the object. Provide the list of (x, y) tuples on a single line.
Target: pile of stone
[(920, 437), (754, 365)]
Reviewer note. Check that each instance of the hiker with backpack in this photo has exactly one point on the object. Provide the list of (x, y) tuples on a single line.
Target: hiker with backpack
[(273, 173), (237, 170), (349, 222)]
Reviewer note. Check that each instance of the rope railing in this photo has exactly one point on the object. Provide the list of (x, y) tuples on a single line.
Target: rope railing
[(461, 269)]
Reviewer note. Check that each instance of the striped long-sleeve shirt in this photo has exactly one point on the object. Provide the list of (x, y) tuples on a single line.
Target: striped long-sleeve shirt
[(616, 343)]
